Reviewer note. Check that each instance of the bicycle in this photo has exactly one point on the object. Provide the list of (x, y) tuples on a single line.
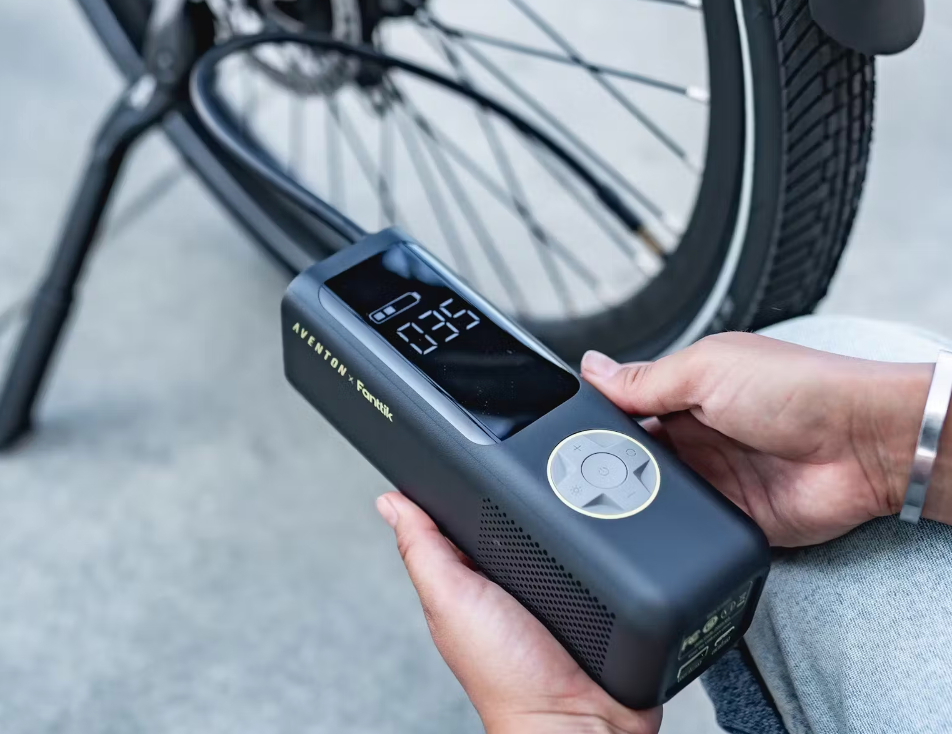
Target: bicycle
[(746, 231)]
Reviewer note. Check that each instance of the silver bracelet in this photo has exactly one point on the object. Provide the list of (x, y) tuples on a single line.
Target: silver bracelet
[(937, 408)]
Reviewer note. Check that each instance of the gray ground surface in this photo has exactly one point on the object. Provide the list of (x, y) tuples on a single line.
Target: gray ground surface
[(180, 553)]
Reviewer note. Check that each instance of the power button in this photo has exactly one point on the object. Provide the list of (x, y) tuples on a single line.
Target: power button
[(604, 470)]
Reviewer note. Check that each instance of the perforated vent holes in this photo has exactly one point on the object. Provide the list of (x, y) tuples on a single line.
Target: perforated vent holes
[(510, 556)]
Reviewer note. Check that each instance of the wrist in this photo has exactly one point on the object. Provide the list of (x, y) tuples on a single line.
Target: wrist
[(572, 716), (890, 408), (561, 723)]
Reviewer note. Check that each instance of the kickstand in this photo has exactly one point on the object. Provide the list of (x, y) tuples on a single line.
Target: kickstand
[(144, 104)]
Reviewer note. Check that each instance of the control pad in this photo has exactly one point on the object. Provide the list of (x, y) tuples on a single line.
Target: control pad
[(603, 474)]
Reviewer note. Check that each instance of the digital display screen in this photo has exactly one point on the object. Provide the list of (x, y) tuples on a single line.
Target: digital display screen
[(500, 381)]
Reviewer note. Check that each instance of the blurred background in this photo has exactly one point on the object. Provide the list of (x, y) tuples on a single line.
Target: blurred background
[(184, 544)]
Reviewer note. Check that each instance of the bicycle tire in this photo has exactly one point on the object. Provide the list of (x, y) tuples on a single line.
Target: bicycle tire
[(811, 103)]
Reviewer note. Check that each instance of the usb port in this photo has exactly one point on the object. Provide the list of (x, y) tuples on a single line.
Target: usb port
[(723, 638), (693, 664)]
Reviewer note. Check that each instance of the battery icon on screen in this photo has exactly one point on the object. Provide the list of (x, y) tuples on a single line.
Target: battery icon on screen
[(397, 305)]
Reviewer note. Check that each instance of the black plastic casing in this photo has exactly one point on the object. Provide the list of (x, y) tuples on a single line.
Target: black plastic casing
[(622, 595)]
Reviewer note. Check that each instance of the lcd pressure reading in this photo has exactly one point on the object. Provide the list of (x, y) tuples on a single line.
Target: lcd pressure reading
[(499, 380)]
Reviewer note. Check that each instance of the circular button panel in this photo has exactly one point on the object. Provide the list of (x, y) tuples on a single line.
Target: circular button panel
[(604, 474)]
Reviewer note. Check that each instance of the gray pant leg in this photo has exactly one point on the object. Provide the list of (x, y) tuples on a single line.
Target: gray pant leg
[(856, 635)]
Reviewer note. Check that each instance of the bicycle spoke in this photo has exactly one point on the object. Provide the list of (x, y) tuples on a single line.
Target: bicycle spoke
[(143, 201), (362, 155), (335, 179), (577, 195), (539, 109), (689, 4), (498, 192), (250, 93), (516, 195), (388, 214), (296, 126), (437, 204), (471, 215), (10, 315), (696, 94), (597, 215), (516, 192), (612, 90)]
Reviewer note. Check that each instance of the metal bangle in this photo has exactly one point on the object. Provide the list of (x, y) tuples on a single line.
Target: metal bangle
[(937, 408)]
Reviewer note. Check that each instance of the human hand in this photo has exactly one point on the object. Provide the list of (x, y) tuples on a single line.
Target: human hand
[(809, 444), (519, 678)]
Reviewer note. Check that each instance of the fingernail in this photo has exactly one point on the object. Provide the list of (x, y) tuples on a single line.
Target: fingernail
[(599, 365), (387, 511)]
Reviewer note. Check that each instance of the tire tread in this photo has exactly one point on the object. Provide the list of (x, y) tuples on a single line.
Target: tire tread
[(828, 94)]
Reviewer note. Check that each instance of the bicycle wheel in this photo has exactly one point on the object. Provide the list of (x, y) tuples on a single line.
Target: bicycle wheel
[(747, 170)]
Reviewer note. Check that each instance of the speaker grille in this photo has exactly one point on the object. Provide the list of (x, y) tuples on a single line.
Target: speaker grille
[(512, 558)]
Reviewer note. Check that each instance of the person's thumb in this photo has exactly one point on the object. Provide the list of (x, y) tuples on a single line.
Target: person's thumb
[(645, 388), (431, 560)]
